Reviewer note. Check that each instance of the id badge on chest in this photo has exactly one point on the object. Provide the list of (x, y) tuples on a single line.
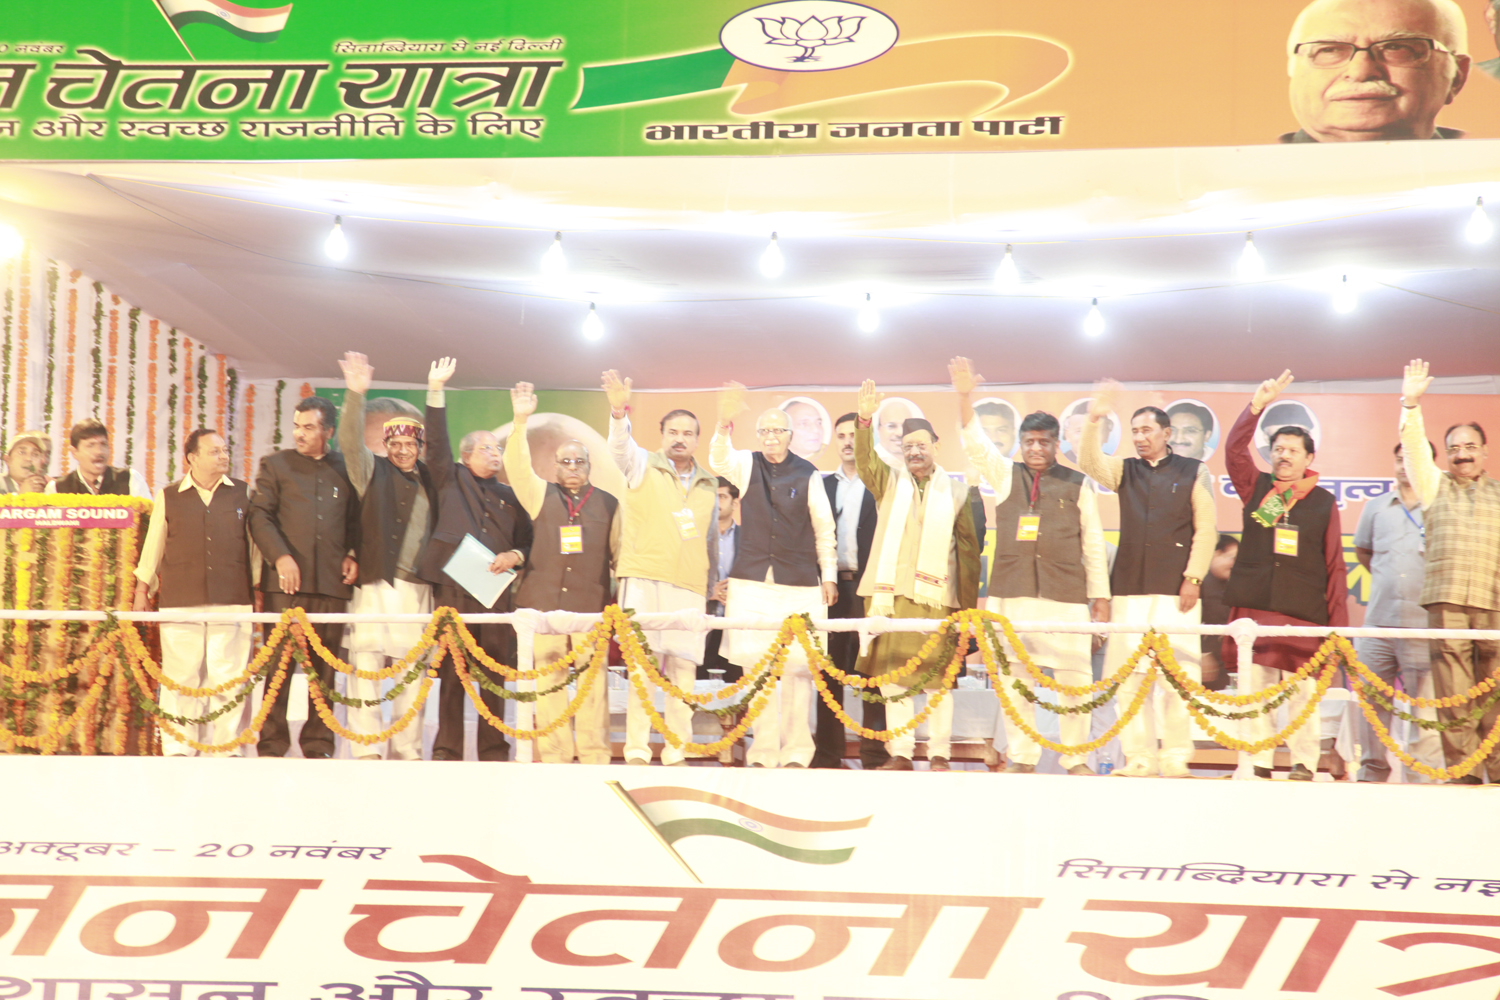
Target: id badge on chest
[(686, 526), (1286, 540), (572, 539), (1028, 527)]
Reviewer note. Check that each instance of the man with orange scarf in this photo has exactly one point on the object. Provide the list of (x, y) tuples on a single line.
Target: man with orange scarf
[(1290, 569)]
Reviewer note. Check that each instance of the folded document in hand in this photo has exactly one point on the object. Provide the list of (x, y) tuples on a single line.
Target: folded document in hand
[(469, 567)]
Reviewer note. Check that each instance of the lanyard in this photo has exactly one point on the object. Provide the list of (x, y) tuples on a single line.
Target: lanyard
[(1036, 487), (1421, 530), (573, 511)]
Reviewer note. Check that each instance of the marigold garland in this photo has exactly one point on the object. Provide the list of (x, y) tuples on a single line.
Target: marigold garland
[(112, 362), (152, 340), (249, 430), (96, 352), (187, 387), (23, 338), (172, 387), (72, 356), (116, 657), (134, 319), (5, 380)]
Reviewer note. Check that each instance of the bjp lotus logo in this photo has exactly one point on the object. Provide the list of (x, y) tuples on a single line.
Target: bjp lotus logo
[(811, 34), (825, 34)]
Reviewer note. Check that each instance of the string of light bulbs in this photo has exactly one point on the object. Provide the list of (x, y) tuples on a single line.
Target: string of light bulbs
[(772, 264)]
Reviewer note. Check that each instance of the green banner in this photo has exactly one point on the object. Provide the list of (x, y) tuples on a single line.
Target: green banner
[(366, 79)]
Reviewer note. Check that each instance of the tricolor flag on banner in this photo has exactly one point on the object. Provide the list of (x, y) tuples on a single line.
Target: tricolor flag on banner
[(689, 812), (253, 24)]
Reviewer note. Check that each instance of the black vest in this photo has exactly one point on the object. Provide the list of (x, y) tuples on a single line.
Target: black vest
[(1290, 585), (115, 482), (776, 530), (1051, 567), (384, 512), (1156, 526), (578, 581), (207, 555)]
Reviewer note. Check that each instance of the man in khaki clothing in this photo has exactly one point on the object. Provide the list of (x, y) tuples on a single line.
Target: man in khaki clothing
[(1461, 588), (668, 554)]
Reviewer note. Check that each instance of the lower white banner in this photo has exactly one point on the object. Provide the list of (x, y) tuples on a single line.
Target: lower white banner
[(287, 879)]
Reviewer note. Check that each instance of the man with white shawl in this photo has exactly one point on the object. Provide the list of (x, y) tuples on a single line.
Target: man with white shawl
[(786, 563), (924, 563)]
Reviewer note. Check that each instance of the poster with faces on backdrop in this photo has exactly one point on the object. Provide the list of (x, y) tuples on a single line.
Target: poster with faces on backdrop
[(889, 416), (1001, 423), (1074, 416), (1195, 429), (812, 428), (1285, 413)]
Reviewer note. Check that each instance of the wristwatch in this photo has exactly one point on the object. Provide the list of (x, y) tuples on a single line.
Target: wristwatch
[(1195, 581)]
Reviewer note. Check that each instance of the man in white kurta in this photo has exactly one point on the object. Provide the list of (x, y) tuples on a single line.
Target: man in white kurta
[(1049, 565), (786, 563)]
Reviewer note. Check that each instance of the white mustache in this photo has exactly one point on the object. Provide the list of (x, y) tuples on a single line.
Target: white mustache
[(1373, 88)]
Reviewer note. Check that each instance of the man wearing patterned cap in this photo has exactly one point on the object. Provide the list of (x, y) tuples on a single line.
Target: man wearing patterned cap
[(398, 504), (924, 563)]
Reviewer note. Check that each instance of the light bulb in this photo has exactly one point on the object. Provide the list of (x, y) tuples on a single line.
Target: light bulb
[(1344, 298), (869, 317), (336, 246), (1006, 275), (1093, 323), (771, 262), (1480, 228), (553, 261), (1252, 265), (593, 328), (11, 241)]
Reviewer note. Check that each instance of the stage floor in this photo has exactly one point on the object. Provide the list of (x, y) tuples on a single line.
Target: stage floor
[(535, 879)]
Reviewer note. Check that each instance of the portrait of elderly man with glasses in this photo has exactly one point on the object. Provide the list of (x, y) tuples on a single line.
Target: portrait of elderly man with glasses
[(1375, 70)]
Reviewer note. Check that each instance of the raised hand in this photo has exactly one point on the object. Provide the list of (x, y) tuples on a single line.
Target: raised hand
[(869, 400), (965, 379), (522, 400), (438, 375), (357, 372), (617, 391), (1269, 390), (1103, 402), (1414, 382), (731, 402)]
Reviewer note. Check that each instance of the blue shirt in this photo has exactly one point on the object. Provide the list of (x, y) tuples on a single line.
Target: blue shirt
[(726, 560), (1394, 534)]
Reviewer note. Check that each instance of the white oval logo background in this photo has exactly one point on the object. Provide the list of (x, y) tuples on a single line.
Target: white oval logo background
[(808, 36)]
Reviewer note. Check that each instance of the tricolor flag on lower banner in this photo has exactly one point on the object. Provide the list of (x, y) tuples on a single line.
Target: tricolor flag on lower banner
[(676, 813), (253, 24)]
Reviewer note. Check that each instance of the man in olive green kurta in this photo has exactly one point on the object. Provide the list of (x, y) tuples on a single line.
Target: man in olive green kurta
[(916, 569)]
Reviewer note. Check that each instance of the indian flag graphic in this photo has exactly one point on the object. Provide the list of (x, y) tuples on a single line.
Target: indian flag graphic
[(253, 24), (676, 813)]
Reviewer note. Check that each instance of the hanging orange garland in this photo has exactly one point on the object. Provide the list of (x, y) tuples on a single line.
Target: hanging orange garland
[(220, 401), (114, 356), (151, 404), (187, 386), (249, 429), (23, 337), (67, 416)]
